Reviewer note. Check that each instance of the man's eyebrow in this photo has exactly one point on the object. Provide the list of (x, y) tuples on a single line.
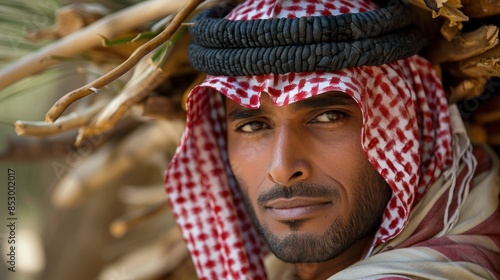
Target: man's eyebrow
[(241, 112), (324, 100)]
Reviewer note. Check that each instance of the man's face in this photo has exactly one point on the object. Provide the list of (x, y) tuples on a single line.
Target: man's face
[(306, 182)]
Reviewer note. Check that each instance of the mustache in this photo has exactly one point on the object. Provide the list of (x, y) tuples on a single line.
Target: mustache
[(297, 190)]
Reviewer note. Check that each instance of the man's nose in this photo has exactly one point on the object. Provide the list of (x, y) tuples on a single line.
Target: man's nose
[(289, 163)]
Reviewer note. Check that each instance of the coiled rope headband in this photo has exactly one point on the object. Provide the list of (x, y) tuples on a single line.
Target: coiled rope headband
[(318, 43)]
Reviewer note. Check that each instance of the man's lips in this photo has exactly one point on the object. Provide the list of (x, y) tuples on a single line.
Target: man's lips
[(297, 208)]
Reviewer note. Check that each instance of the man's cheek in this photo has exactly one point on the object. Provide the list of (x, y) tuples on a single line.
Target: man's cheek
[(244, 160)]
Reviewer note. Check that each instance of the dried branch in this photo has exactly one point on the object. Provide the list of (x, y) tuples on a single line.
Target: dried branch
[(68, 122), (449, 10), (152, 261), (87, 38), (121, 226), (138, 54), (481, 8), (162, 107), (450, 30), (135, 90), (464, 46), (32, 149), (58, 145), (452, 13), (147, 145), (142, 195), (147, 76), (469, 88), (485, 65), (492, 128)]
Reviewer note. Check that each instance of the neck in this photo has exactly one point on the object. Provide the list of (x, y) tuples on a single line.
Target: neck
[(323, 270)]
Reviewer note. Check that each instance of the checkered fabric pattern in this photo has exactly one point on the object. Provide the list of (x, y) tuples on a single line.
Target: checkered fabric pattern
[(405, 135)]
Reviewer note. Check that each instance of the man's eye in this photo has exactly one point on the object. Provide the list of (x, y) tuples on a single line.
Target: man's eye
[(329, 116), (253, 126)]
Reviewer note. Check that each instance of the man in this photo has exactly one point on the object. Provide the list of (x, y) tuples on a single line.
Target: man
[(357, 172)]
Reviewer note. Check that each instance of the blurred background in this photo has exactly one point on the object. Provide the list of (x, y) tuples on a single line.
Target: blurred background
[(96, 210), (90, 202)]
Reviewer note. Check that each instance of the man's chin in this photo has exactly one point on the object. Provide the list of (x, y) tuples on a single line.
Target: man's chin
[(301, 245), (298, 248)]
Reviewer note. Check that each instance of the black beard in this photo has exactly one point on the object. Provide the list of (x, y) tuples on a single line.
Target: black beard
[(373, 194)]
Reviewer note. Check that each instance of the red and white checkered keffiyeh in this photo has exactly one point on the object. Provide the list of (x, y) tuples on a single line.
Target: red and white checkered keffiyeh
[(406, 135)]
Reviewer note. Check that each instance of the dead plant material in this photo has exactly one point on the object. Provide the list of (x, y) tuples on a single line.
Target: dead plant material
[(481, 8), (489, 117), (147, 76), (87, 38), (121, 226), (140, 196), (142, 82), (195, 82), (71, 121), (69, 19), (152, 261), (477, 133), (449, 30), (161, 107), (447, 9), (31, 149), (484, 65), (464, 46), (146, 145), (59, 107), (489, 112), (469, 88)]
